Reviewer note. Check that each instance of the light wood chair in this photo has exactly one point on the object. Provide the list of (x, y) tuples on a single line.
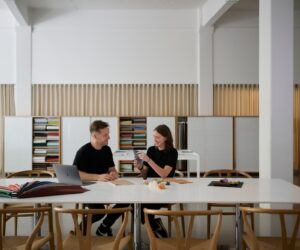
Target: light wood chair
[(25, 173), (78, 240), (169, 207), (284, 242), (33, 241), (225, 173), (32, 173), (179, 242)]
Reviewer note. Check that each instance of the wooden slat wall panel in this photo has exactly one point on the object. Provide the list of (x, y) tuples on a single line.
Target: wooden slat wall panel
[(243, 100), (236, 100), (115, 99)]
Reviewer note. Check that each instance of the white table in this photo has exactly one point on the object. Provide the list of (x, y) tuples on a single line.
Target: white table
[(127, 155), (253, 191)]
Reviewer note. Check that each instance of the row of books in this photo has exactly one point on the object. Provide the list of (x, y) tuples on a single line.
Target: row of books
[(45, 143), (47, 138), (45, 127), (45, 159), (46, 150), (46, 120)]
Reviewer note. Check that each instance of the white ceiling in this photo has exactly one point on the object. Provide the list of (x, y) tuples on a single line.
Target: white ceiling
[(131, 4), (114, 4)]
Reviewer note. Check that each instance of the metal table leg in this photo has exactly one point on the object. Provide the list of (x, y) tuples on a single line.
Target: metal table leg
[(238, 227), (137, 226)]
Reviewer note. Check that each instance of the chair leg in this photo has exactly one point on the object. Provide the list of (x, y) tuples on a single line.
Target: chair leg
[(169, 226), (16, 224), (52, 246), (182, 219), (4, 224), (208, 222), (130, 245)]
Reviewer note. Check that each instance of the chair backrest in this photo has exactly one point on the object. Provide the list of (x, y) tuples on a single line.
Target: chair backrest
[(288, 243), (226, 173), (179, 237), (32, 173), (178, 173), (84, 240), (41, 211)]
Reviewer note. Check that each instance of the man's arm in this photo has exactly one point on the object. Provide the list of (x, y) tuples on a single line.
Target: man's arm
[(113, 173), (95, 177)]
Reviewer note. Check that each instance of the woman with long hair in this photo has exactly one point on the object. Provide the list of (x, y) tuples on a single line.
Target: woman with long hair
[(159, 161)]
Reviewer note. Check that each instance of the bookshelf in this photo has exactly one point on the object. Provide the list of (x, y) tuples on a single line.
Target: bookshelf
[(45, 142), (133, 135)]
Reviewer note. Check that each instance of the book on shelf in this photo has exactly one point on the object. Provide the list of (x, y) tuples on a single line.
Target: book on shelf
[(40, 151), (52, 137), (52, 127), (125, 122), (139, 119), (39, 127), (38, 159), (52, 143), (139, 143), (40, 120)]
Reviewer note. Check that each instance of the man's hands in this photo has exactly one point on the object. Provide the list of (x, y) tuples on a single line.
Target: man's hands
[(112, 175)]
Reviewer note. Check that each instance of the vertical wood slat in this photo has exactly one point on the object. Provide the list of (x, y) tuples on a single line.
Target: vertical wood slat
[(115, 99), (235, 99)]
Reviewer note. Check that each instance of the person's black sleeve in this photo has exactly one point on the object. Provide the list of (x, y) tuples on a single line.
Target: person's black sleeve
[(80, 160), (172, 158), (111, 159)]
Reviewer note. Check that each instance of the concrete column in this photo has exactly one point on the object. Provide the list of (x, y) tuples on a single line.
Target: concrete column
[(23, 71), (276, 49), (205, 88)]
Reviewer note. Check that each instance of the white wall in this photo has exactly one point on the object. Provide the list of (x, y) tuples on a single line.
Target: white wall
[(236, 48), (153, 46), (7, 48)]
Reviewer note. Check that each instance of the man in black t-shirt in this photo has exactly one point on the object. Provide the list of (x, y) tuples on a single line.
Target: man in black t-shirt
[(94, 161)]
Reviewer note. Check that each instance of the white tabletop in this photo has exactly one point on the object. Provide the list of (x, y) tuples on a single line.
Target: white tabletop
[(253, 191)]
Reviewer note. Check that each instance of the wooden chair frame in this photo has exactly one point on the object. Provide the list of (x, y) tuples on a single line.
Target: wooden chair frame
[(257, 243), (33, 242), (180, 242), (32, 173), (228, 173), (24, 173), (85, 240), (169, 207)]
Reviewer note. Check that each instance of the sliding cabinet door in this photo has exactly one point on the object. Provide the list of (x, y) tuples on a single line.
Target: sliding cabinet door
[(211, 138), (75, 133), (17, 144), (247, 143)]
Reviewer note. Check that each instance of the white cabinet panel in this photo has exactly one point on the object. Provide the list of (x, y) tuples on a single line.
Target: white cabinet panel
[(153, 122), (113, 129), (247, 143), (75, 133), (211, 138), (17, 144)]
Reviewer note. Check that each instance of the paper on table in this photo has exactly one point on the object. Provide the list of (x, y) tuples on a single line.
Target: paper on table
[(178, 181), (119, 182)]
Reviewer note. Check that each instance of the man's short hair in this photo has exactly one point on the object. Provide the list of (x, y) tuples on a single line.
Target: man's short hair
[(97, 125)]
